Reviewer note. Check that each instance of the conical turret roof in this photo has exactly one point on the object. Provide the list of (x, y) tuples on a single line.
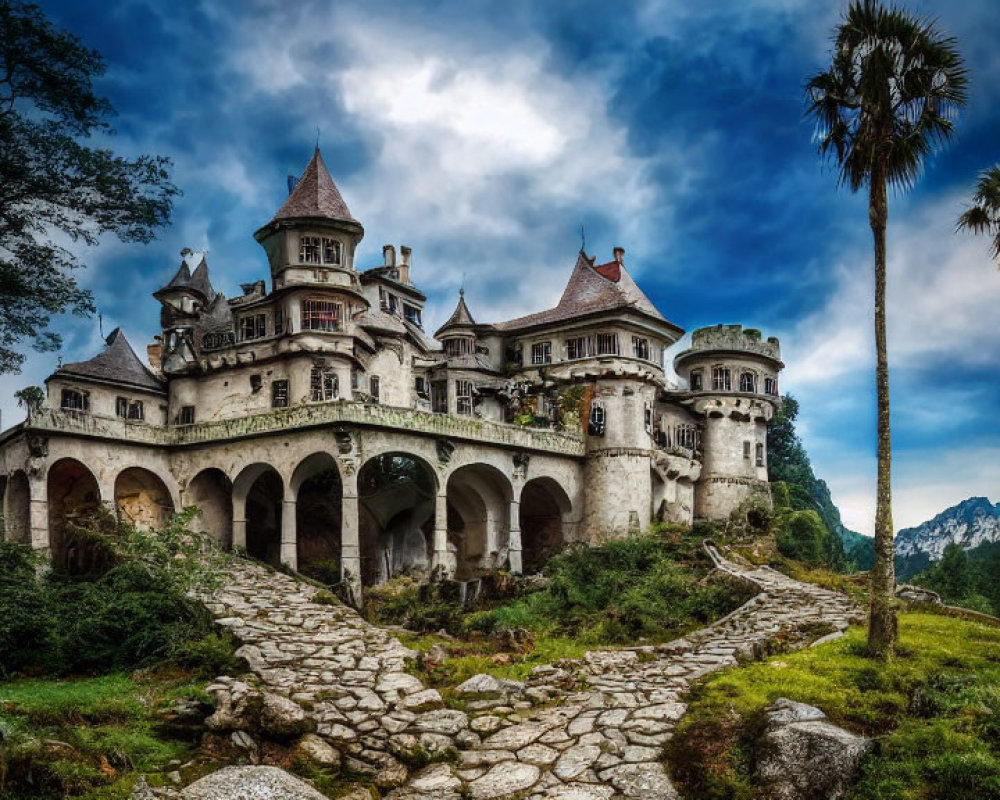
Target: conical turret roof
[(198, 281), (460, 318), (315, 195)]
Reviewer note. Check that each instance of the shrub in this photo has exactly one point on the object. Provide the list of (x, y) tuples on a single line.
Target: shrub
[(803, 537)]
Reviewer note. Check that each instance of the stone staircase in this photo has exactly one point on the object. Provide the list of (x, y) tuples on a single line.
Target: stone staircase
[(591, 729)]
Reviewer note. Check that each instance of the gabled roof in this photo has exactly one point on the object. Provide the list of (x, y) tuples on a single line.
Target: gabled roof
[(460, 317), (592, 289), (117, 364), (315, 195)]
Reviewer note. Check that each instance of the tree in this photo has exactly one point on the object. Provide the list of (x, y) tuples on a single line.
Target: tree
[(51, 184), (984, 215), (886, 102), (31, 399)]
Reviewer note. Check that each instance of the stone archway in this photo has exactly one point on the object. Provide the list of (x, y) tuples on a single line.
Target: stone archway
[(17, 508), (211, 492), (142, 498), (396, 510), (319, 493), (479, 497), (258, 495), (543, 510), (74, 497)]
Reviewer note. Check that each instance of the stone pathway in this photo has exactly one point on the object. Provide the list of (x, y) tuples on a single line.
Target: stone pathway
[(591, 729)]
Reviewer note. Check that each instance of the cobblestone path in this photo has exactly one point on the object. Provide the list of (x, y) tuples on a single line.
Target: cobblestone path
[(592, 729)]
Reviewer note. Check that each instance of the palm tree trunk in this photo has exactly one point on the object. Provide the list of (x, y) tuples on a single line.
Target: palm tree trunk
[(882, 625)]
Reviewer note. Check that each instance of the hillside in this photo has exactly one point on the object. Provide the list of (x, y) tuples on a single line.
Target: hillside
[(969, 524)]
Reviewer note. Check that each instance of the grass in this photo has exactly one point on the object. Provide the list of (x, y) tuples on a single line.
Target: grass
[(934, 710), (88, 737)]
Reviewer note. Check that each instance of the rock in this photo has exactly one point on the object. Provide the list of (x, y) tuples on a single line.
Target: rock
[(426, 700), (488, 724), (281, 718), (141, 790), (801, 755), (444, 721), (435, 779), (575, 760), (646, 781), (504, 779), (516, 736), (401, 683), (316, 750), (486, 687), (250, 783)]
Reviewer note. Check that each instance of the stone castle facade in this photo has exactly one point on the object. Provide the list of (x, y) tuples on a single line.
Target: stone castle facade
[(317, 423)]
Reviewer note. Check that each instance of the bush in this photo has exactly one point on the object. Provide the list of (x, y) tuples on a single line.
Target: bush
[(803, 537)]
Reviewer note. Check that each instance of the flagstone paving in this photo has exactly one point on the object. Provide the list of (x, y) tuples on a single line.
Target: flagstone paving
[(589, 729)]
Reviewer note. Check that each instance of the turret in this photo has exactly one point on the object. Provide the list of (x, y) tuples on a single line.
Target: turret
[(732, 376)]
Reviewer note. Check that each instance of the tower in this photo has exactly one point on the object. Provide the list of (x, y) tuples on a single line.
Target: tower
[(732, 375)]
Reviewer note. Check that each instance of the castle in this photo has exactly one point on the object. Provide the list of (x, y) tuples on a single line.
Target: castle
[(317, 423)]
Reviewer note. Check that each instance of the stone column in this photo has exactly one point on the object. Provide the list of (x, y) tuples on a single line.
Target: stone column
[(289, 554), (443, 560), (514, 538), (350, 545), (239, 521), (38, 515)]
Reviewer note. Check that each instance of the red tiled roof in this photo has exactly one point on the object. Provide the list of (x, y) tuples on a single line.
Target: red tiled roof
[(612, 271)]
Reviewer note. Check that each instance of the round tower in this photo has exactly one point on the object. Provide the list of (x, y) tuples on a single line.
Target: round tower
[(732, 376)]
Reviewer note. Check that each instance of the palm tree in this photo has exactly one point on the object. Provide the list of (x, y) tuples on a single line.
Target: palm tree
[(886, 102), (984, 216)]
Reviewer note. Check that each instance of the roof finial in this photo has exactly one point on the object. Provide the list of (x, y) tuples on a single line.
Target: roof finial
[(583, 240), (317, 137), (461, 289), (100, 325)]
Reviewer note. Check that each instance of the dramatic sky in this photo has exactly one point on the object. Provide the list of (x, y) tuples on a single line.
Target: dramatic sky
[(485, 134)]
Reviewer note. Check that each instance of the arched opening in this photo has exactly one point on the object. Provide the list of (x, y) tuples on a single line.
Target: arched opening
[(142, 499), (212, 493), (73, 496), (478, 518), (658, 497), (258, 494), (396, 493), (17, 509), (318, 518), (543, 509)]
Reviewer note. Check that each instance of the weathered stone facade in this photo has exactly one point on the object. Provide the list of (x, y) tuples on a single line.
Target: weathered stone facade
[(316, 423)]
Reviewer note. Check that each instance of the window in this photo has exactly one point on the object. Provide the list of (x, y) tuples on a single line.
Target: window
[(309, 252), (375, 386), (331, 251), (279, 394), (323, 384), (640, 347), (187, 415), (607, 344), (760, 455), (770, 387), (459, 347), (439, 397), (252, 326), (322, 315), (696, 383), (393, 304), (412, 314), (721, 379), (279, 321), (648, 418), (541, 353), (595, 425), (748, 382), (463, 397), (746, 450), (129, 409), (420, 384), (256, 383), (578, 347), (686, 436), (73, 400)]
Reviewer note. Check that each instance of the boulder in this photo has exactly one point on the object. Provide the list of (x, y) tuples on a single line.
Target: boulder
[(250, 783), (240, 707), (801, 755)]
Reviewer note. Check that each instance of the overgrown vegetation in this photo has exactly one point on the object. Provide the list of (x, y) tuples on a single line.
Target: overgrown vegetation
[(970, 579), (934, 710), (646, 588), (85, 736)]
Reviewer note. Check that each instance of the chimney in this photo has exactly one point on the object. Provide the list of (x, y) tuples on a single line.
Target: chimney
[(154, 354), (620, 255), (404, 267), (389, 255)]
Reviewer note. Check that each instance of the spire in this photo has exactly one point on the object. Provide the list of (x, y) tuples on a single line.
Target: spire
[(315, 195), (460, 318), (185, 279)]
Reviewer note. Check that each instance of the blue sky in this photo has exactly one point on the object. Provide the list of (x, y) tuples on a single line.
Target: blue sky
[(485, 134)]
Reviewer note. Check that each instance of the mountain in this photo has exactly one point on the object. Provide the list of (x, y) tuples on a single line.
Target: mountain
[(971, 524)]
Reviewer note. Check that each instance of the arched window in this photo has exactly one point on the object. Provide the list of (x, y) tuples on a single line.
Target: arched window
[(748, 382), (323, 384), (595, 426)]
